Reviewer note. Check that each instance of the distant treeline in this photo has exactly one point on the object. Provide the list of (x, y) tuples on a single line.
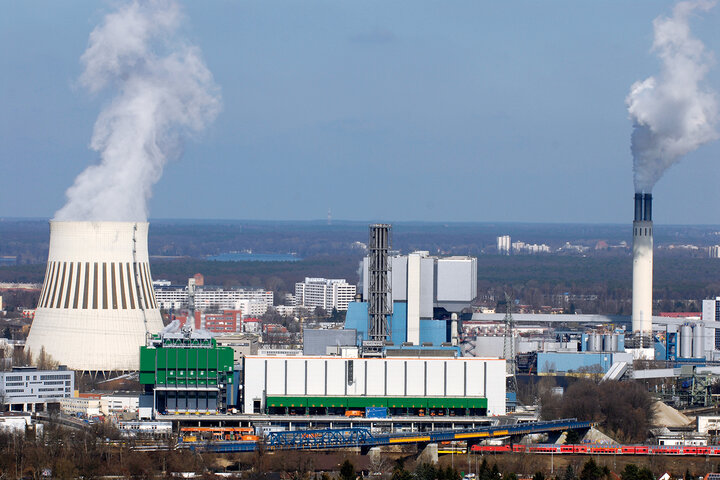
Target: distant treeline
[(598, 283), (28, 239), (587, 284)]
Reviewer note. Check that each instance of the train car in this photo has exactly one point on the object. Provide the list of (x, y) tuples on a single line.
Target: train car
[(667, 450), (490, 448), (215, 434), (605, 450), (593, 449)]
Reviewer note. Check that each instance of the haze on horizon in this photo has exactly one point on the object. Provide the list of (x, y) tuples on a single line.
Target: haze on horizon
[(408, 112)]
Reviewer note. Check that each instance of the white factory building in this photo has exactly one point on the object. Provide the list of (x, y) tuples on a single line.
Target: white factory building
[(326, 380), (327, 293)]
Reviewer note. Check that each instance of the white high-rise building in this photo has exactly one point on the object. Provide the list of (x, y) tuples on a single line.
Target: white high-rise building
[(503, 245), (323, 292)]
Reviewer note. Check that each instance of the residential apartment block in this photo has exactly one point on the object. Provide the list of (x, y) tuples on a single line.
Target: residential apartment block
[(324, 292)]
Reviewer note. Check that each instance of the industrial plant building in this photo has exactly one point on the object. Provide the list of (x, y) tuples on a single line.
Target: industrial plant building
[(328, 341), (423, 291), (188, 372), (405, 386)]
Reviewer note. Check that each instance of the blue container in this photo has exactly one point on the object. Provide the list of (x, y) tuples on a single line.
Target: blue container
[(375, 412)]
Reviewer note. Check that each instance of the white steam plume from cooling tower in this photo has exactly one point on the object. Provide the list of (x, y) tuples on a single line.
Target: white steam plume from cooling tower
[(164, 92), (673, 113)]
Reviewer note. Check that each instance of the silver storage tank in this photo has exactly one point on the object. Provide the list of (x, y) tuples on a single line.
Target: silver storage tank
[(698, 349), (591, 342), (598, 342), (607, 342), (685, 341), (616, 342)]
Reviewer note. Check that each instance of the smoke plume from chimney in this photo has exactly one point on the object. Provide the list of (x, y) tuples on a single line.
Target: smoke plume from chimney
[(673, 113), (164, 92)]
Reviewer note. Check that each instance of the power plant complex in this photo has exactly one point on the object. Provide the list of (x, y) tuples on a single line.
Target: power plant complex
[(409, 346), (414, 353)]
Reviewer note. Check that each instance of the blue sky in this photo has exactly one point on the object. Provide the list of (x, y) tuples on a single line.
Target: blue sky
[(434, 111)]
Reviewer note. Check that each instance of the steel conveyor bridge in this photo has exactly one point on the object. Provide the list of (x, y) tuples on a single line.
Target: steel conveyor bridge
[(363, 438)]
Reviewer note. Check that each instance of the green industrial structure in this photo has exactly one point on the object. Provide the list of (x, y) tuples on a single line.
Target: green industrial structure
[(459, 406), (187, 372)]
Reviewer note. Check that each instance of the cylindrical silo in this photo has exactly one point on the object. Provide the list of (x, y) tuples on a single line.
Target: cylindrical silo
[(616, 342), (598, 342), (698, 349), (97, 303), (590, 342), (607, 342), (686, 341)]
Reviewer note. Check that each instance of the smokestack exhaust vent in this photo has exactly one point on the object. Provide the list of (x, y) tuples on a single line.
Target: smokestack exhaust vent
[(647, 207)]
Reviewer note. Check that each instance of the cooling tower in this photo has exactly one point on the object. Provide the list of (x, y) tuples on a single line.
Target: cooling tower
[(97, 302), (642, 272)]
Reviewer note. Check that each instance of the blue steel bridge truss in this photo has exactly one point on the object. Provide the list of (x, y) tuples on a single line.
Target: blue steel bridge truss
[(361, 437)]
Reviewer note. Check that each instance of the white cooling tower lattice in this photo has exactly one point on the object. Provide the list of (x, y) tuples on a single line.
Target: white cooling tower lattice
[(97, 302)]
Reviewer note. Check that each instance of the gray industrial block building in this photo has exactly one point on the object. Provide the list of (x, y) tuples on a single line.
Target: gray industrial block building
[(318, 341)]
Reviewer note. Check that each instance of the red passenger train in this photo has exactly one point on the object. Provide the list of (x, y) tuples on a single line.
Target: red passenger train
[(597, 449)]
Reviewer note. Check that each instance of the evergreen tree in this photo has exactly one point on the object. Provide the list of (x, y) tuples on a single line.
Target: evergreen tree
[(591, 471), (426, 471), (483, 471), (347, 471), (399, 473), (569, 473)]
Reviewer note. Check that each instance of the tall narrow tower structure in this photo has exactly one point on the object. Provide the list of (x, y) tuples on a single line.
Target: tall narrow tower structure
[(379, 307), (642, 273), (97, 303)]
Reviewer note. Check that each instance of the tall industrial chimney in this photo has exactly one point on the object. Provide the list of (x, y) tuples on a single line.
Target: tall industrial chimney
[(97, 303), (642, 272)]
